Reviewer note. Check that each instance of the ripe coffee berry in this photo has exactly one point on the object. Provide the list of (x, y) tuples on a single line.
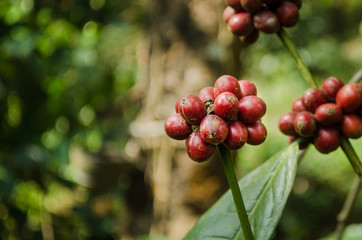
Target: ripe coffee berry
[(305, 124), (251, 37), (327, 139), (213, 129), (240, 24), (237, 135), (312, 98), (328, 114), (197, 149), (256, 133), (287, 14), (247, 88), (266, 21), (206, 94), (331, 86), (228, 12), (286, 123), (192, 109), (226, 106), (298, 106), (235, 4), (251, 109), (227, 83), (351, 126), (251, 6), (176, 127), (349, 97)]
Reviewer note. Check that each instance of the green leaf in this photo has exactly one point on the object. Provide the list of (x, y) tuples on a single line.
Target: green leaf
[(351, 232), (265, 192)]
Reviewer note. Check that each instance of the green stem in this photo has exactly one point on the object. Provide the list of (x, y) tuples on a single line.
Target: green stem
[(235, 190), (288, 43), (352, 157)]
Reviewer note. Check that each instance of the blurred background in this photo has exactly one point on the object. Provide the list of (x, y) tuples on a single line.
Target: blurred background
[(85, 87)]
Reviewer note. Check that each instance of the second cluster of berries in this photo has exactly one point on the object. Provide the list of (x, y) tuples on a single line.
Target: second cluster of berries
[(247, 17), (229, 113), (324, 114)]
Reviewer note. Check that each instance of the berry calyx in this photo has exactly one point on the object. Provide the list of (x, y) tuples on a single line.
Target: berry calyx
[(176, 127), (305, 124), (213, 129), (327, 140), (257, 133), (226, 106), (192, 109), (197, 149), (251, 109), (237, 136)]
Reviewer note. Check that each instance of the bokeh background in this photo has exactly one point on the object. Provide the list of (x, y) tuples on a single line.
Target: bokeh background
[(86, 85)]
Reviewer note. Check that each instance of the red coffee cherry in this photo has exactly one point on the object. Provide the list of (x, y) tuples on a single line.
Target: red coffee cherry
[(351, 126), (227, 83), (266, 21), (176, 127), (251, 37), (240, 24), (327, 140), (206, 94), (247, 88), (288, 14), (192, 109), (349, 97), (298, 106), (312, 98), (197, 149), (177, 105), (328, 114), (305, 124), (286, 123), (237, 135), (331, 86), (297, 3), (228, 12), (251, 109), (235, 4), (257, 133), (226, 106), (251, 6), (213, 129)]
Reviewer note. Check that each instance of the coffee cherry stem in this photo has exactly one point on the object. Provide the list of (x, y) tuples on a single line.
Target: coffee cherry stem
[(235, 190), (352, 156), (288, 43)]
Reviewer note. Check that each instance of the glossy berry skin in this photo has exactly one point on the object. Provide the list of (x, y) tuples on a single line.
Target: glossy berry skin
[(227, 83), (177, 105), (251, 6), (349, 97), (176, 127), (251, 37), (312, 98), (226, 106), (266, 21), (213, 129), (331, 86), (197, 149), (305, 124), (247, 88), (351, 126), (286, 123), (237, 136), (251, 109), (192, 109), (240, 24), (206, 94), (228, 12), (288, 14), (327, 140), (298, 106), (257, 133), (328, 114), (235, 4)]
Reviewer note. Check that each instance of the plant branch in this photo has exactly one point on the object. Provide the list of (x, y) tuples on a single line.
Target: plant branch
[(235, 190), (288, 43), (352, 157), (347, 207), (356, 77)]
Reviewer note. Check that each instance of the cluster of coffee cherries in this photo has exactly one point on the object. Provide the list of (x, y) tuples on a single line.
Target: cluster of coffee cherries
[(229, 113), (246, 18), (322, 115)]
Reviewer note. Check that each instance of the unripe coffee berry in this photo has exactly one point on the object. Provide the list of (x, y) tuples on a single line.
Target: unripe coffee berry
[(227, 83), (197, 149), (240, 23), (331, 86), (192, 109), (349, 97), (257, 133), (312, 98), (247, 88), (237, 135), (206, 94), (305, 124), (327, 139), (288, 14), (251, 6), (226, 106), (213, 129), (251, 109), (298, 106), (266, 21), (351, 126), (286, 123), (328, 114), (176, 127), (228, 12)]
